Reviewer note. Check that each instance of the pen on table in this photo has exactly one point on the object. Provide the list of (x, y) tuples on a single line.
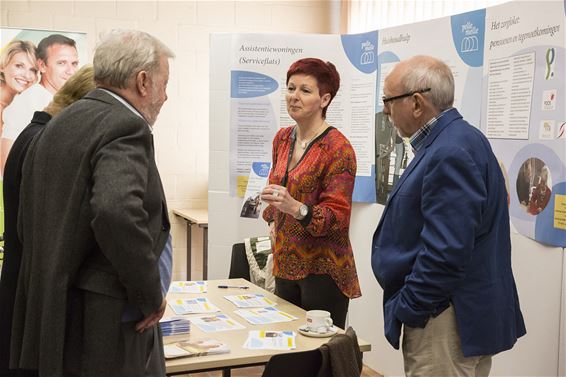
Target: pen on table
[(233, 286)]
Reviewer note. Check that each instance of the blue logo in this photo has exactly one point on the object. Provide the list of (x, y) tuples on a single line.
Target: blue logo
[(368, 53), (468, 34), (261, 169), (361, 50), (470, 42)]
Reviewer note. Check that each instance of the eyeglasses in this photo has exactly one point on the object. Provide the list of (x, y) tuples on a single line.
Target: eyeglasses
[(389, 99)]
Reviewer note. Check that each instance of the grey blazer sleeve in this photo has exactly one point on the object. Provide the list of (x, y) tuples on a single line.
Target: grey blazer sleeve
[(120, 221)]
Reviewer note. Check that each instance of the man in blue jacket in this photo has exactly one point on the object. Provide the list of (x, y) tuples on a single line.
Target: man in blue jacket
[(442, 250)]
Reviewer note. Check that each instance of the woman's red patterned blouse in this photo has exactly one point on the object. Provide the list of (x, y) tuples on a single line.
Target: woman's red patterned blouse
[(324, 180)]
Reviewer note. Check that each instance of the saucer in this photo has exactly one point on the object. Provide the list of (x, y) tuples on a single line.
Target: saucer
[(304, 330)]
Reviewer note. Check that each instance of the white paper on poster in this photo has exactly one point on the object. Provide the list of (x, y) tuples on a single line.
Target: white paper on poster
[(385, 70), (509, 96)]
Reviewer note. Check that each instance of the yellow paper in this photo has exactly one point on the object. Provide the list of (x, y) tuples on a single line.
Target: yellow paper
[(241, 185), (560, 211)]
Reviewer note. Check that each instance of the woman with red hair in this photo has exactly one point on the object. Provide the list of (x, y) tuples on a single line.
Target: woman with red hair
[(310, 197)]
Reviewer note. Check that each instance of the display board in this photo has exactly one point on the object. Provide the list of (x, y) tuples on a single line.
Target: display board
[(523, 112), (458, 41)]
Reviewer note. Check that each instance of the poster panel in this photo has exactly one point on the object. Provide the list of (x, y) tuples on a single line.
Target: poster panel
[(30, 77), (456, 40), (523, 112), (259, 64)]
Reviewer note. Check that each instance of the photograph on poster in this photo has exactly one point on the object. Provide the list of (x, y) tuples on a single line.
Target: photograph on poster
[(34, 64), (391, 157), (18, 71), (533, 182)]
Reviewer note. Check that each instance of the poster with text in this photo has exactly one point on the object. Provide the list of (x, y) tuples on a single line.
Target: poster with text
[(456, 40), (259, 64), (523, 112)]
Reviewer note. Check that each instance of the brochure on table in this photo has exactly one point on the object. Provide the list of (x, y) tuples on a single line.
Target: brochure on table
[(261, 316), (196, 347), (188, 287), (215, 322), (252, 300), (271, 340), (193, 306)]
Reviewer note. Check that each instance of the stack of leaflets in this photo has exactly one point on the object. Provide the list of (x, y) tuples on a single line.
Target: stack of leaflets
[(250, 300), (260, 316), (193, 305), (196, 347), (188, 287), (271, 340), (174, 326)]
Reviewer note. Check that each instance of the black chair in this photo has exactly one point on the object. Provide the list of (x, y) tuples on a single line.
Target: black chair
[(296, 364), (239, 266)]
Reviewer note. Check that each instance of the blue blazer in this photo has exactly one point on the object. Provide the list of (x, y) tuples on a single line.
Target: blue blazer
[(444, 238)]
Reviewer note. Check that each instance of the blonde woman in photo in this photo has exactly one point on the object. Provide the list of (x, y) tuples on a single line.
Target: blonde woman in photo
[(18, 71)]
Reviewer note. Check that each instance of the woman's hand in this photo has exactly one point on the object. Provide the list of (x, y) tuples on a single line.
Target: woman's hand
[(152, 319), (279, 197)]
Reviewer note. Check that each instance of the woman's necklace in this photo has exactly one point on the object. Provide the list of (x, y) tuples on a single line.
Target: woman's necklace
[(305, 143)]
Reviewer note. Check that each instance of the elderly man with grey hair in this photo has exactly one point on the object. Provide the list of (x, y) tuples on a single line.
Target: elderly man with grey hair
[(442, 250), (93, 221)]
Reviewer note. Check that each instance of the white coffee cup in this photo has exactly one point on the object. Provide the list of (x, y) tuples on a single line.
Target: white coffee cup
[(318, 321)]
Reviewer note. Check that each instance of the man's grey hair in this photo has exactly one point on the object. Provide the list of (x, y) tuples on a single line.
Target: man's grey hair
[(427, 72), (121, 54)]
